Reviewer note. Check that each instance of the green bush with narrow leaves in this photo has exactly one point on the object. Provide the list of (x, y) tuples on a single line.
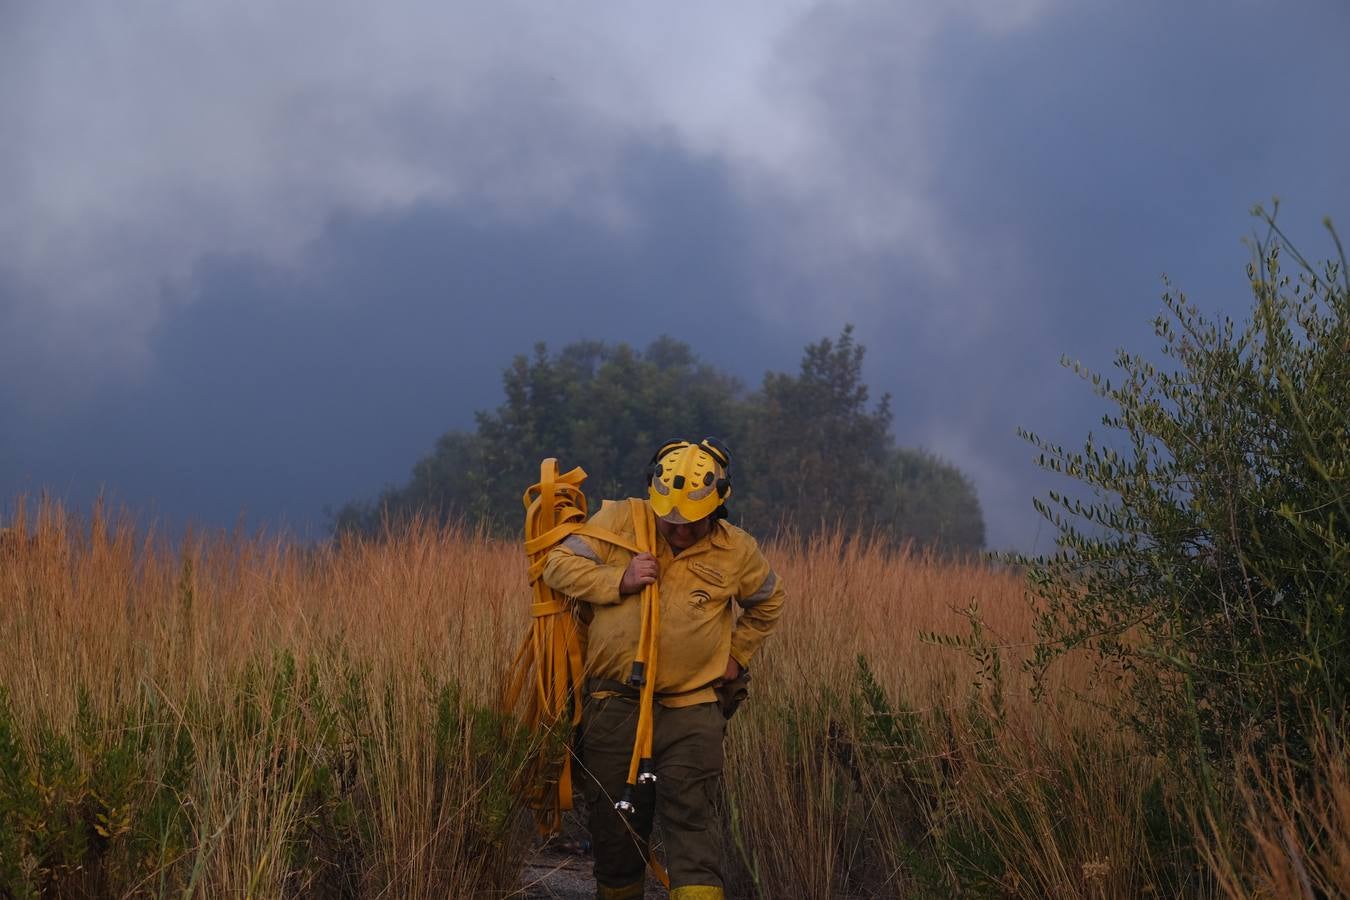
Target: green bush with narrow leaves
[(1205, 557)]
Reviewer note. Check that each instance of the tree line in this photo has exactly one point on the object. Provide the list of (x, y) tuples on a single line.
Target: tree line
[(810, 451)]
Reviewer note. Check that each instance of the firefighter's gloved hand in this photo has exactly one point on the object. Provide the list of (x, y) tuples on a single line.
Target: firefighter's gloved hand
[(732, 693)]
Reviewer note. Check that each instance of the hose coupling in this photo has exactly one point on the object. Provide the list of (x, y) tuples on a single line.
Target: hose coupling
[(639, 674)]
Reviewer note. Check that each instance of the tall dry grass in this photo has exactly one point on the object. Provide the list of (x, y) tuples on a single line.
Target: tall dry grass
[(242, 715), (1290, 834), (878, 761)]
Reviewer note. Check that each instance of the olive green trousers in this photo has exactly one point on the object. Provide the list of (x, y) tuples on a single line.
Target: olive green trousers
[(687, 796)]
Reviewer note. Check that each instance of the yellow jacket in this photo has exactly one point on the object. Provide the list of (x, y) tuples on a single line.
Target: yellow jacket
[(699, 628)]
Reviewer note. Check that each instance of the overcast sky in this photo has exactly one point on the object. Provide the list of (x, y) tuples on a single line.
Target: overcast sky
[(256, 256)]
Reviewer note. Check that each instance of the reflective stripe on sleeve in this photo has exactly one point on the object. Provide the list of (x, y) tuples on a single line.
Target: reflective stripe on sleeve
[(581, 548), (765, 590)]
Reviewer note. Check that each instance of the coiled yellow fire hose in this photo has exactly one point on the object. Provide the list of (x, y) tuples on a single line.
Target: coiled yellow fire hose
[(550, 658)]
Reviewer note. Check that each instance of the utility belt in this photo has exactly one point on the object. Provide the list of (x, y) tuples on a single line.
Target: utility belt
[(730, 694), (611, 688)]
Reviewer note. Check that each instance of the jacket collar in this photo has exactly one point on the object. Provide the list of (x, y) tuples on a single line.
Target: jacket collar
[(721, 534)]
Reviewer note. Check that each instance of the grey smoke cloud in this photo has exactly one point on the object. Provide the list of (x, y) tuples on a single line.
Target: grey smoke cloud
[(276, 390), (1067, 163), (257, 259)]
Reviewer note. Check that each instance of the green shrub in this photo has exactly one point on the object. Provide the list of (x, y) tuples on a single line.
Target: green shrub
[(1210, 567)]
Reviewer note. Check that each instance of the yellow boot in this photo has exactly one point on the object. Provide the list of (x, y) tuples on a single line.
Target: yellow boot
[(697, 892), (627, 892)]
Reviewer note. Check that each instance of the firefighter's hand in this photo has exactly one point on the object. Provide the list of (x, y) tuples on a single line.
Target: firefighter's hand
[(641, 571), (733, 670)]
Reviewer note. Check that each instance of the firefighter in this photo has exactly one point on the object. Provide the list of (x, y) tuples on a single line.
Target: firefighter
[(705, 568)]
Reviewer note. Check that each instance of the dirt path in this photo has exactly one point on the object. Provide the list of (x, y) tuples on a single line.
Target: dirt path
[(561, 870), (565, 876)]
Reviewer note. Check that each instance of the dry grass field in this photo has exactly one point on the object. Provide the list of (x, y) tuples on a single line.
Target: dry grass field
[(243, 716)]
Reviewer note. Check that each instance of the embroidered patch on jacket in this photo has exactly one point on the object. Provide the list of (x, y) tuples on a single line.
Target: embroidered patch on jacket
[(708, 573), (700, 599)]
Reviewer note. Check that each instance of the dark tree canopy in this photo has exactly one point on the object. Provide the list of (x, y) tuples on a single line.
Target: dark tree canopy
[(808, 451), (815, 450)]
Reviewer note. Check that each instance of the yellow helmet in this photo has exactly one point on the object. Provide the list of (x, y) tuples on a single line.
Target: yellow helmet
[(687, 482)]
